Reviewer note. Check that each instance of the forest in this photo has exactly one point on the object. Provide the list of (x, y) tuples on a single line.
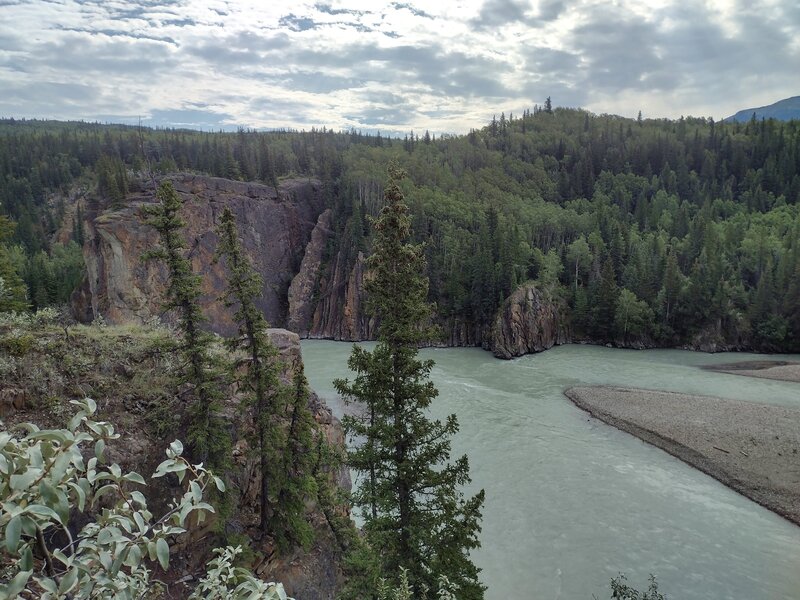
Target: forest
[(645, 232)]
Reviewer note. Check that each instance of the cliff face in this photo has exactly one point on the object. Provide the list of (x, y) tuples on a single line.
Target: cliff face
[(305, 285), (275, 230), (288, 237), (339, 311), (527, 322)]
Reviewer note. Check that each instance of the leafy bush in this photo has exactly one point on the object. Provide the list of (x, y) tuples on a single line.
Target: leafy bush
[(45, 479), (622, 591)]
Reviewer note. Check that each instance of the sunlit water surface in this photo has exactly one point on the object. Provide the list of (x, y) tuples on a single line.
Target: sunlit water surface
[(571, 502)]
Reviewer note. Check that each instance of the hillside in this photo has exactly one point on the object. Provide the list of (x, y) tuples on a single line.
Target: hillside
[(132, 373), (783, 110), (635, 233)]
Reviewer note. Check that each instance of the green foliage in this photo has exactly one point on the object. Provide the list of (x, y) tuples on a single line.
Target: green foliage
[(18, 344), (207, 433), (296, 481), (483, 203), (633, 318), (46, 481), (416, 518), (284, 427), (261, 379), (225, 581), (620, 590), (13, 295)]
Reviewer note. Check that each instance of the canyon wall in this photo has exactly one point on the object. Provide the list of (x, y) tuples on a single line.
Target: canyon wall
[(274, 227), (312, 285)]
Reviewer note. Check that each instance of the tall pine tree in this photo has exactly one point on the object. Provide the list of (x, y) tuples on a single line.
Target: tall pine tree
[(415, 515), (207, 433), (13, 293), (283, 422)]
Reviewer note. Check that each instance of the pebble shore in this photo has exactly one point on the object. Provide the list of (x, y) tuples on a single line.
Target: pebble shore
[(752, 448)]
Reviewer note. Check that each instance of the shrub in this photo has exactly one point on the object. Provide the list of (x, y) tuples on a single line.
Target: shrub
[(45, 480)]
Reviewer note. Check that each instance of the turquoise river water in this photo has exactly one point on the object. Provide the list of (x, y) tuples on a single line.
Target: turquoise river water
[(571, 502)]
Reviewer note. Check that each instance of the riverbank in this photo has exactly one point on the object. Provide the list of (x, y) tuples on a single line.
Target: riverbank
[(765, 369), (752, 448)]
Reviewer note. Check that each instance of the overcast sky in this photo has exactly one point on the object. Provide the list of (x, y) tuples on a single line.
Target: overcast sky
[(444, 65)]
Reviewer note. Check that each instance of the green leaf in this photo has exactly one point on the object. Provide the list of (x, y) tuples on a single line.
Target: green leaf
[(13, 531), (99, 447), (197, 492), (134, 557), (48, 584), (42, 511), (26, 562), (23, 481), (137, 516), (68, 581), (162, 551), (75, 421), (52, 435), (176, 447), (16, 585), (134, 478), (80, 494)]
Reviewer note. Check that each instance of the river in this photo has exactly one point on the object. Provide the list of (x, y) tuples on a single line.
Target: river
[(571, 502)]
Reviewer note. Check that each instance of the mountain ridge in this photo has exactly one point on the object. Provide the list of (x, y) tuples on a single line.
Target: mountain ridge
[(782, 110)]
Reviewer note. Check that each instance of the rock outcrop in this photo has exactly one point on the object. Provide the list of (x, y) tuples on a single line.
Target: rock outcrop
[(339, 312), (275, 229), (527, 322), (304, 288)]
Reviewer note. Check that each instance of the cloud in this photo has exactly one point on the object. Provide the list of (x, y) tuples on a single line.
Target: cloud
[(496, 13), (390, 64)]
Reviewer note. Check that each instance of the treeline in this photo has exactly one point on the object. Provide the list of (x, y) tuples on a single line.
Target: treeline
[(646, 231)]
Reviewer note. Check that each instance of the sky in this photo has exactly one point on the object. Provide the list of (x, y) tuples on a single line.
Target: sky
[(445, 66)]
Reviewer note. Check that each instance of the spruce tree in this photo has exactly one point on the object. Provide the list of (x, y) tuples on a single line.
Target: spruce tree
[(297, 480), (207, 433), (415, 515), (283, 448), (244, 286), (13, 292)]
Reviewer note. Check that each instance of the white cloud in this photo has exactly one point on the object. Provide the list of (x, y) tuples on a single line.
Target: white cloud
[(393, 65)]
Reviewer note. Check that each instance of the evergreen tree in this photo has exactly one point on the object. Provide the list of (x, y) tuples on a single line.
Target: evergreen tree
[(284, 459), (13, 293), (244, 286), (207, 432), (670, 290), (415, 515), (297, 480), (604, 302)]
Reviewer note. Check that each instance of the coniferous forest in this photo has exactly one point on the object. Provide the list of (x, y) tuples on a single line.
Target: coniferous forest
[(644, 232)]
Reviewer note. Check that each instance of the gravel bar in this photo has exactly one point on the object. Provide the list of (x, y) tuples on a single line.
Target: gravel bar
[(752, 448), (764, 369)]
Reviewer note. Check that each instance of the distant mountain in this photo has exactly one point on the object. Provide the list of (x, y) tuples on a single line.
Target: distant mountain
[(783, 110)]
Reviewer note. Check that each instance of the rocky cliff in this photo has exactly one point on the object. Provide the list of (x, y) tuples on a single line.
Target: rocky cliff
[(309, 287), (339, 309), (275, 229), (527, 322)]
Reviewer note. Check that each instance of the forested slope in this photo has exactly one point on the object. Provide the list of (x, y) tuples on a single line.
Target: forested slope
[(640, 232)]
